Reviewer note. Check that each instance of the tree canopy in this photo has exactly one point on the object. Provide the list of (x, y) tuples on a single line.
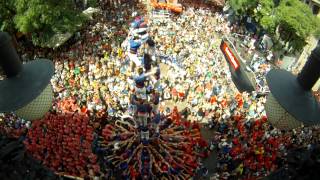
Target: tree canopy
[(296, 21), (242, 6), (264, 14), (292, 18), (7, 11), (39, 18)]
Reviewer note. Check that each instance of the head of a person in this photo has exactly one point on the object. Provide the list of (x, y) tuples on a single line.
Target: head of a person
[(140, 70)]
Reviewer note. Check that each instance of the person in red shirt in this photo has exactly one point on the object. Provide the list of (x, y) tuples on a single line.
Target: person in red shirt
[(257, 124), (239, 100), (255, 135), (187, 124), (174, 93), (235, 140), (175, 115), (181, 95), (271, 141), (260, 165), (237, 150), (224, 103), (164, 168), (267, 163), (237, 117), (195, 126), (254, 165), (213, 99), (264, 119), (84, 109), (241, 129), (273, 156), (202, 143)]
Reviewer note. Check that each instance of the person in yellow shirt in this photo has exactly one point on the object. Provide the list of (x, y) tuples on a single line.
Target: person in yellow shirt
[(120, 52), (259, 151), (239, 169), (95, 85), (106, 56)]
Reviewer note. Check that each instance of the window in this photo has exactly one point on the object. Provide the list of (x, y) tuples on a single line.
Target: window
[(315, 9)]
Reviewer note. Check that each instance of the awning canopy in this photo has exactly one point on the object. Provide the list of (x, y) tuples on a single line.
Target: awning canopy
[(58, 39)]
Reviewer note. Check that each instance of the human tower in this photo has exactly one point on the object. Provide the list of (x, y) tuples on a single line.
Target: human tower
[(144, 143), (140, 144)]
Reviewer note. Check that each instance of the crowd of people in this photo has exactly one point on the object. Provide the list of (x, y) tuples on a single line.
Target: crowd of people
[(96, 72), (198, 74), (95, 69), (63, 143), (254, 149)]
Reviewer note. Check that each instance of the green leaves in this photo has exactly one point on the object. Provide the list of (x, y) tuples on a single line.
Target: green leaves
[(41, 18), (264, 14), (294, 18), (242, 6), (268, 23), (92, 3), (296, 22), (7, 11)]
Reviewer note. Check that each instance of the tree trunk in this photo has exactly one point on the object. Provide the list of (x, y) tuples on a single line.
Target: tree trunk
[(14, 41), (277, 32)]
